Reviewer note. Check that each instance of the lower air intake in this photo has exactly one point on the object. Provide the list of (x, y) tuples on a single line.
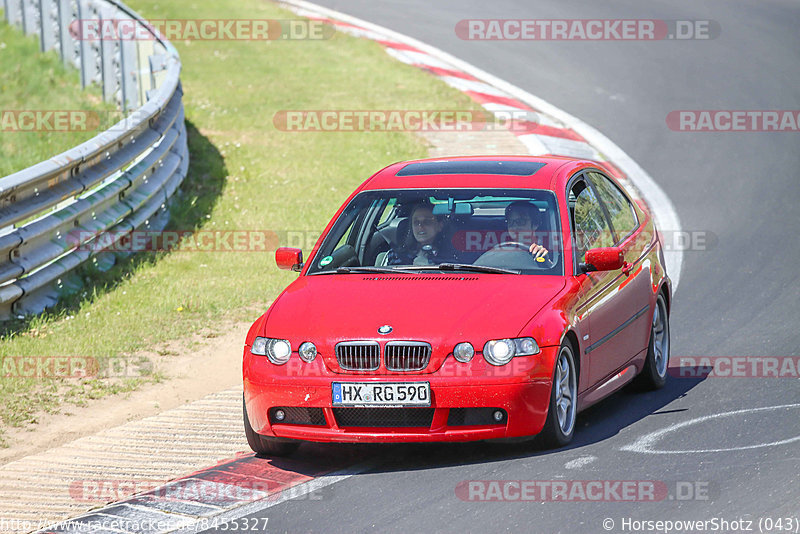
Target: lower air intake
[(475, 417), (383, 417), (297, 416)]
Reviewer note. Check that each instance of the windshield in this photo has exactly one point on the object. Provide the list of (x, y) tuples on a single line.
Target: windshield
[(480, 230)]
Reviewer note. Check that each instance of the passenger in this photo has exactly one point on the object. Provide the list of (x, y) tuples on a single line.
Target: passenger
[(429, 245), (523, 219)]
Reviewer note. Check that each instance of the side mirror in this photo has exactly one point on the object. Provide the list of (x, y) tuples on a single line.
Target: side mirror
[(289, 259), (603, 259)]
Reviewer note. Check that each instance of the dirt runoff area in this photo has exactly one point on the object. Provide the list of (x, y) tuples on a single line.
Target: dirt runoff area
[(192, 368)]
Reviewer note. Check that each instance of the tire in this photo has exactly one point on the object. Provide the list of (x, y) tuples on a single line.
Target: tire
[(654, 372), (559, 427), (265, 445)]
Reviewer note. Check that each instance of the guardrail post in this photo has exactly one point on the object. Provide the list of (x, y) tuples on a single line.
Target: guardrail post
[(109, 48), (82, 44), (129, 72), (49, 23), (13, 9), (67, 43), (30, 17), (94, 57)]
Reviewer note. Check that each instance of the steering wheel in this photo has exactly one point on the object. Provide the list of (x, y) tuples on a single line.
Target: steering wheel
[(548, 262)]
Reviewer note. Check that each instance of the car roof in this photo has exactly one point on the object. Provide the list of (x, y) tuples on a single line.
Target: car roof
[(528, 172)]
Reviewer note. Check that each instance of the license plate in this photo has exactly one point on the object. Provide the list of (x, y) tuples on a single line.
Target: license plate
[(382, 394)]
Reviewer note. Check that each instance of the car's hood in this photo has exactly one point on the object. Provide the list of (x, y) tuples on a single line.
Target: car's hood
[(442, 309)]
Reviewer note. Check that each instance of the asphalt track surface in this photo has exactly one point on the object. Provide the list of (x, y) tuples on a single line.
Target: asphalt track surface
[(738, 296)]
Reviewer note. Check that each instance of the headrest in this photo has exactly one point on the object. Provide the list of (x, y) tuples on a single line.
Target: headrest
[(403, 232)]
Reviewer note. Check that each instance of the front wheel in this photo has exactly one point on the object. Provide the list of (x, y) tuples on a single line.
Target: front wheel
[(562, 411), (654, 372), (266, 445)]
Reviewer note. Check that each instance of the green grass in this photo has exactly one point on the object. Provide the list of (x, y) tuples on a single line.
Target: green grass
[(30, 80), (244, 175)]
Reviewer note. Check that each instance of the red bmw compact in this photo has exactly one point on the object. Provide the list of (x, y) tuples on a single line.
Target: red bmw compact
[(461, 299)]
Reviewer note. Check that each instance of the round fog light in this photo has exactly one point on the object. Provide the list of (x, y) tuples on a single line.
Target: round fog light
[(498, 415), (280, 415), (308, 352), (463, 352)]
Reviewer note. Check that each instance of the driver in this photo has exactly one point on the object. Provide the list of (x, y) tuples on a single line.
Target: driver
[(428, 247), (523, 219)]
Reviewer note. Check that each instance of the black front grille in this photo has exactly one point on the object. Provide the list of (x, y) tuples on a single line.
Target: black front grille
[(358, 355), (298, 416), (475, 417), (383, 417), (407, 355)]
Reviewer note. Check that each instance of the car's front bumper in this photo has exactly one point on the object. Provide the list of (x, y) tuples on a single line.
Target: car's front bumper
[(521, 389)]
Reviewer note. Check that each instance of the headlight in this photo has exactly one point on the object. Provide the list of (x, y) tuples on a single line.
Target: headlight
[(501, 351), (464, 352), (277, 350), (307, 351)]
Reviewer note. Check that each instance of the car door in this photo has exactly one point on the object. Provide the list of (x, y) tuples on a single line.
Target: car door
[(607, 301), (635, 280)]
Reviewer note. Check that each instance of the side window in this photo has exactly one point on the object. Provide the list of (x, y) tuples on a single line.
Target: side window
[(346, 237), (356, 220), (387, 213), (589, 221), (623, 216)]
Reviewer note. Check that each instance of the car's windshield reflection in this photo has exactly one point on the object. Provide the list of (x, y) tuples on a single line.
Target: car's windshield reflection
[(503, 231)]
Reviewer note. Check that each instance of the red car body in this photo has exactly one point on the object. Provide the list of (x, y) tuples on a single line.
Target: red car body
[(606, 316)]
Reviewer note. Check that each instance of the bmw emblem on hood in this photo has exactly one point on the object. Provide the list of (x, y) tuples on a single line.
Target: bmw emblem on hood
[(385, 329)]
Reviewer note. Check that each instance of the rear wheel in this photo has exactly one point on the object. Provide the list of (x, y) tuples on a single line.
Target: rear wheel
[(654, 372), (265, 445), (562, 411)]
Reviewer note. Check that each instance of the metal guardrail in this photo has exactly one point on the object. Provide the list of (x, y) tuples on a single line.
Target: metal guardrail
[(119, 181)]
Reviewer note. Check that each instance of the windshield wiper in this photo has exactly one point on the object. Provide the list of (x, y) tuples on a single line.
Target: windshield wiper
[(463, 267), (370, 269)]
